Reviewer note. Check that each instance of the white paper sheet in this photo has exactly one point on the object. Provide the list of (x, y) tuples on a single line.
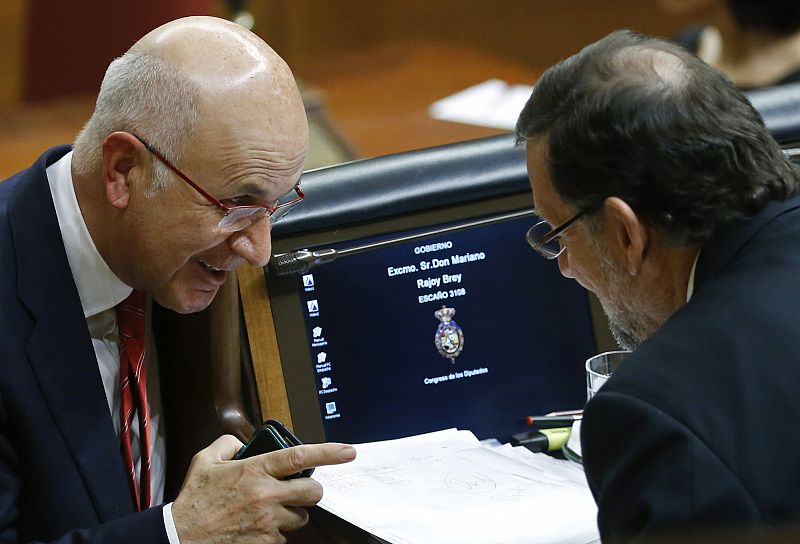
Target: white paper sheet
[(446, 487), (493, 103), (574, 441)]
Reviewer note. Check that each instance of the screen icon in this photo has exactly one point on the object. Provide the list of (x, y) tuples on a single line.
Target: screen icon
[(321, 357), (308, 280), (313, 306), (330, 408), (326, 382), (316, 332)]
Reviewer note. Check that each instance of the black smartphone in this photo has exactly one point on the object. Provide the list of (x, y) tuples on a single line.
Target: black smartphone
[(272, 436)]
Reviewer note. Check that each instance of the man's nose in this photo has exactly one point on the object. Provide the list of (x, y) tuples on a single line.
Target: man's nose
[(253, 243)]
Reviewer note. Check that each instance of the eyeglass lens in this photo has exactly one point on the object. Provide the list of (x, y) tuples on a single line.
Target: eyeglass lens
[(552, 247), (240, 218), (279, 213)]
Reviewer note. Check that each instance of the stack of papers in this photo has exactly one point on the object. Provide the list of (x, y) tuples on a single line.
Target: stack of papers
[(493, 103), (448, 487)]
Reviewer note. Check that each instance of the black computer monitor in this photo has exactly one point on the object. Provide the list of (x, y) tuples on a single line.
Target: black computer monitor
[(525, 331), (429, 319)]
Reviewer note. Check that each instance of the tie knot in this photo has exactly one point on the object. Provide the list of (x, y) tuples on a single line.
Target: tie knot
[(130, 315)]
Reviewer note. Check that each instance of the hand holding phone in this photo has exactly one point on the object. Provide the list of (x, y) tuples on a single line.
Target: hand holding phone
[(272, 436)]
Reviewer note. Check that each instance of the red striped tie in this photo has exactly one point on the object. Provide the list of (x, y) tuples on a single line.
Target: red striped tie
[(133, 390)]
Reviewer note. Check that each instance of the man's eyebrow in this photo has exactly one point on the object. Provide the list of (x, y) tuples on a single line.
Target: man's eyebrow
[(257, 190)]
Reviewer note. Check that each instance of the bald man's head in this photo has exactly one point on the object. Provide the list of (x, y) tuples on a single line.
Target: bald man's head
[(214, 51), (185, 73), (200, 117)]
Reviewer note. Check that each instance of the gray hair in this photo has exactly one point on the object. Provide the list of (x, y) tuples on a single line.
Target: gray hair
[(147, 96)]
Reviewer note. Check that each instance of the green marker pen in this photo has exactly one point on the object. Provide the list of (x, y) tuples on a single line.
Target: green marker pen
[(543, 439)]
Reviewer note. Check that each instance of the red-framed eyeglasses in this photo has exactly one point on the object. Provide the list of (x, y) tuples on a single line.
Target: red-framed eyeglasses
[(235, 218)]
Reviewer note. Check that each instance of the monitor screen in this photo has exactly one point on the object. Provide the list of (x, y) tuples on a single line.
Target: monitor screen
[(469, 329)]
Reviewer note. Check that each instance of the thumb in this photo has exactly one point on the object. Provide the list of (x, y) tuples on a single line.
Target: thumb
[(223, 448)]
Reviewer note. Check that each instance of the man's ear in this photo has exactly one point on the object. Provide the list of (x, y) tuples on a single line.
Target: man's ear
[(626, 234), (121, 152)]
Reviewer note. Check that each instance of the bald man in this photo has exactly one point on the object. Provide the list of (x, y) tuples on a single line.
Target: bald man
[(174, 182)]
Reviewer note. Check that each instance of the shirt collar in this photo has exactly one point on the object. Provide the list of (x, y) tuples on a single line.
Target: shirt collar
[(98, 287), (690, 283)]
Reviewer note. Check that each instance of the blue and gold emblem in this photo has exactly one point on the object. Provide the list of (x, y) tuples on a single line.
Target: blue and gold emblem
[(449, 337)]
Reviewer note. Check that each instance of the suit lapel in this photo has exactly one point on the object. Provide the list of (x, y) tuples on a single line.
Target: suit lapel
[(60, 349)]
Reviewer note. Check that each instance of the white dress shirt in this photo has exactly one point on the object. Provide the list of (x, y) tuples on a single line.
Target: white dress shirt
[(100, 291), (690, 283)]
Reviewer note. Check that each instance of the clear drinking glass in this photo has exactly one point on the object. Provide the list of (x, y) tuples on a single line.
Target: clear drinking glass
[(599, 369)]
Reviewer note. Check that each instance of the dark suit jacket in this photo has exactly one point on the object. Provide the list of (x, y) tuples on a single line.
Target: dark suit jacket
[(61, 473), (700, 427)]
